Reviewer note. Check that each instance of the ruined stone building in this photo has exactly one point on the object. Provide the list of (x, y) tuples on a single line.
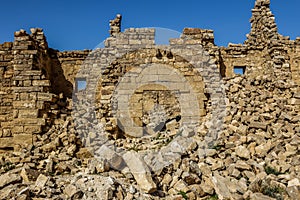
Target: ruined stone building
[(31, 72), (120, 86)]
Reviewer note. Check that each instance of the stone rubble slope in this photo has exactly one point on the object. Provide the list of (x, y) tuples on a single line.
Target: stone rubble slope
[(255, 157)]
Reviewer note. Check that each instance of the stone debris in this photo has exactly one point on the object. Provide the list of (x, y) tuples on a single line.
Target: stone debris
[(140, 171), (236, 137), (9, 178), (221, 187)]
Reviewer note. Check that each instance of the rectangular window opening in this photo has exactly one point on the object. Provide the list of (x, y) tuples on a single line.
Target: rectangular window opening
[(80, 84), (240, 70)]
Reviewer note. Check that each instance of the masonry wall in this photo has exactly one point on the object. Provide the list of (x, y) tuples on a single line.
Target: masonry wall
[(295, 61), (6, 91), (32, 75), (28, 89), (70, 63)]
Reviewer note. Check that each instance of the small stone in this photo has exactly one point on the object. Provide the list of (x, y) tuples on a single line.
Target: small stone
[(242, 152), (190, 179), (132, 189), (8, 178), (263, 149), (72, 192), (294, 182), (98, 165), (84, 153), (90, 189), (140, 171), (115, 161), (197, 190), (167, 179), (41, 181), (181, 186), (220, 185), (293, 192), (207, 185)]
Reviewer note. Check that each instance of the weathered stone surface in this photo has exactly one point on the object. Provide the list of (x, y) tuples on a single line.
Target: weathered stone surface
[(221, 187), (293, 192), (8, 178), (72, 192), (115, 160), (242, 152), (260, 196), (140, 171), (84, 153), (41, 181), (98, 165), (202, 129)]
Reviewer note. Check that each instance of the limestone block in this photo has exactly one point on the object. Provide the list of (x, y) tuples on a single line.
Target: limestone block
[(24, 104), (28, 89), (6, 143), (32, 129), (28, 121), (41, 181), (41, 83), (8, 178), (45, 97), (23, 113), (22, 140), (140, 171), (17, 129)]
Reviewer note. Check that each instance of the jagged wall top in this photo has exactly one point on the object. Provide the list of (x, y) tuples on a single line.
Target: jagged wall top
[(115, 25), (263, 25)]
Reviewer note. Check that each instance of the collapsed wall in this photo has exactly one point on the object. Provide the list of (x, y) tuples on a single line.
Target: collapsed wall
[(31, 80), (29, 66), (195, 118)]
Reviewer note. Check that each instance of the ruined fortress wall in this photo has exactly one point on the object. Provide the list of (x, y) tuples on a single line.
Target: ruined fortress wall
[(33, 75), (26, 75)]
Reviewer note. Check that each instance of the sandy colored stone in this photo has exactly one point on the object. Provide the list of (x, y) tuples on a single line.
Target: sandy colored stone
[(140, 171)]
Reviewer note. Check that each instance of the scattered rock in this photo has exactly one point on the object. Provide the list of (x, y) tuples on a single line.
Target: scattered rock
[(140, 171), (9, 178)]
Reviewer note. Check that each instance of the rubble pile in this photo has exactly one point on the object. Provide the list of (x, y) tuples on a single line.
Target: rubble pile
[(136, 120)]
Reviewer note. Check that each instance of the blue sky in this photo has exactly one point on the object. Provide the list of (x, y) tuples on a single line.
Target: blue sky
[(71, 25)]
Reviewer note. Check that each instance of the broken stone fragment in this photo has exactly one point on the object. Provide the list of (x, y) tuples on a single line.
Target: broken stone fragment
[(294, 182), (242, 152), (220, 186), (293, 192), (260, 196), (140, 171), (98, 165), (181, 186), (115, 160), (29, 175), (258, 125), (8, 178), (41, 181), (73, 192), (84, 153)]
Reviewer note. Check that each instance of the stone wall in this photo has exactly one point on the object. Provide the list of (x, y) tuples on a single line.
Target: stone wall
[(29, 87), (162, 121), (70, 63), (6, 91), (32, 74), (131, 65), (294, 53)]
